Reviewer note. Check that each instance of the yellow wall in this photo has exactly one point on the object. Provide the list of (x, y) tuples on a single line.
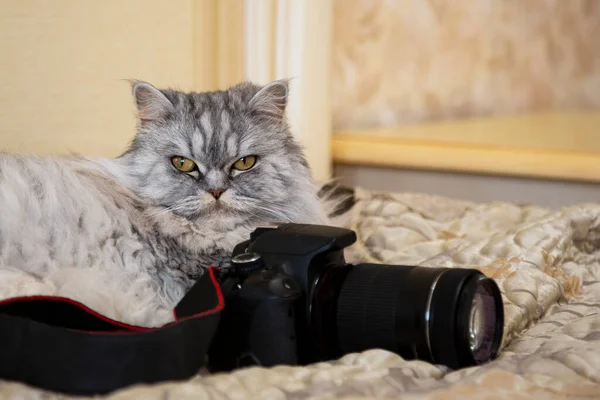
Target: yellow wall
[(64, 65)]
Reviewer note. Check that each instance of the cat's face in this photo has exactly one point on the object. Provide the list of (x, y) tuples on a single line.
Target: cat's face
[(220, 158)]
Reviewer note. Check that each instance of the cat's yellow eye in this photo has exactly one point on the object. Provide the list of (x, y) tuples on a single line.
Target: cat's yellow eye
[(183, 164), (245, 163)]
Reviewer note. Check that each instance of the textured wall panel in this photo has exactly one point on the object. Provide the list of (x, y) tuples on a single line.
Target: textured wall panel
[(405, 61)]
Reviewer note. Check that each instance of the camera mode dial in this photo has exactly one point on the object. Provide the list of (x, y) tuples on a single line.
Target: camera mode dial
[(246, 263)]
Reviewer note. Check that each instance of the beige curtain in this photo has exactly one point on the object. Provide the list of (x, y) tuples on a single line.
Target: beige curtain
[(292, 39)]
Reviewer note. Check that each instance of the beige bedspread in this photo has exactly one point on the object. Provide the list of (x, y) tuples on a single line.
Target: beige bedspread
[(545, 261)]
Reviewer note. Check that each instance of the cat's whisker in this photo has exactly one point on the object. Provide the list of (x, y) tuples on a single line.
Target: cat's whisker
[(273, 212), (176, 207), (270, 208)]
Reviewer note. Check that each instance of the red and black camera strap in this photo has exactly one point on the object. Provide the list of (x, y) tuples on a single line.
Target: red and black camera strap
[(58, 344)]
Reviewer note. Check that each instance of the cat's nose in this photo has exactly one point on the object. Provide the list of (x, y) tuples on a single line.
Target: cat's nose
[(216, 193)]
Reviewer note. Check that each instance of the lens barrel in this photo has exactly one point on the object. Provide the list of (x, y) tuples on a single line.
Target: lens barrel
[(448, 316)]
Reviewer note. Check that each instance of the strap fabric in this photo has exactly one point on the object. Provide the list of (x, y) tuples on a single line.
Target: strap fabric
[(61, 345)]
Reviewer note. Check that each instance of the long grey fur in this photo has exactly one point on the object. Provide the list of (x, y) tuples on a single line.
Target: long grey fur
[(128, 236)]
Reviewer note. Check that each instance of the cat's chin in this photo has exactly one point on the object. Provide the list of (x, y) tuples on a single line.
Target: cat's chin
[(218, 207), (222, 223), (223, 216)]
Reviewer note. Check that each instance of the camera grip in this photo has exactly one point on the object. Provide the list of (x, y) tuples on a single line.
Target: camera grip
[(258, 327), (272, 335)]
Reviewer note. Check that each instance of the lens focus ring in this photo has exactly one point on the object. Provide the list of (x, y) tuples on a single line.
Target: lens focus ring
[(367, 304)]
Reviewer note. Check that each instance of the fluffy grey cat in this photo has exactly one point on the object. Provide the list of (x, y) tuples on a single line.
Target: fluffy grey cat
[(128, 236)]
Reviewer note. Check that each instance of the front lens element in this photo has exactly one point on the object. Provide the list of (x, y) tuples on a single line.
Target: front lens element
[(475, 326), (483, 321)]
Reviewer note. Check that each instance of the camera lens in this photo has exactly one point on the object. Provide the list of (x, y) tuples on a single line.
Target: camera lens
[(449, 316)]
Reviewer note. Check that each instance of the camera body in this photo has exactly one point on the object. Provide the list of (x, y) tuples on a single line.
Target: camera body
[(271, 291)]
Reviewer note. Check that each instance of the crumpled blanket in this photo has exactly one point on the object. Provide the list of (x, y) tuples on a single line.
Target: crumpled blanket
[(545, 261)]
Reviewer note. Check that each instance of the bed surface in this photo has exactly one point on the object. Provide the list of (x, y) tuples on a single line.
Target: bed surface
[(546, 262)]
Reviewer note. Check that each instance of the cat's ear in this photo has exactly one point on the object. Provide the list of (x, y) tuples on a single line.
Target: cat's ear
[(151, 103), (271, 100)]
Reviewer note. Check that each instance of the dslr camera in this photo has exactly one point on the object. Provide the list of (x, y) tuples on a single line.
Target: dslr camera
[(290, 298)]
